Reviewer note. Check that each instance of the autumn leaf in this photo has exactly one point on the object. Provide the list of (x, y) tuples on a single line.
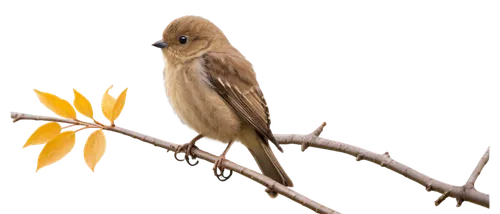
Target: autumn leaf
[(94, 148), (43, 134), (107, 104), (83, 105), (56, 149), (59, 106), (120, 102)]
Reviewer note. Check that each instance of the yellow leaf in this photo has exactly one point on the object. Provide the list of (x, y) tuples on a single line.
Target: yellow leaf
[(83, 105), (56, 149), (43, 134), (57, 105), (94, 148), (120, 102), (107, 104)]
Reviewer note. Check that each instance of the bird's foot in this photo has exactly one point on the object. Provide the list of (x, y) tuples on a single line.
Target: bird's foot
[(218, 165), (187, 147)]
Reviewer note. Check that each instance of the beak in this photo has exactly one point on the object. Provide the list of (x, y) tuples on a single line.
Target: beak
[(160, 44)]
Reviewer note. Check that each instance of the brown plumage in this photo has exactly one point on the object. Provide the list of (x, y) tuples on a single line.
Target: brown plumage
[(213, 90)]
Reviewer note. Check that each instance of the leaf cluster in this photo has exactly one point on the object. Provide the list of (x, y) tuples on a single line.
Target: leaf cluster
[(57, 143)]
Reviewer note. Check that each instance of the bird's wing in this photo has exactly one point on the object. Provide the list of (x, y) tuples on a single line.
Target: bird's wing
[(233, 78)]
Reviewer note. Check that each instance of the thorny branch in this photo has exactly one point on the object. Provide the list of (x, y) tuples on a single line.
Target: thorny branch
[(466, 192)]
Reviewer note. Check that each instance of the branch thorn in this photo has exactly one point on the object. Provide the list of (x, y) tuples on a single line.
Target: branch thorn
[(314, 134), (428, 187), (304, 146), (359, 157), (318, 131), (442, 198), (389, 154)]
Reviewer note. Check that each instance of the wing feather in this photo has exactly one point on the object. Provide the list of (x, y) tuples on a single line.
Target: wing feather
[(233, 78)]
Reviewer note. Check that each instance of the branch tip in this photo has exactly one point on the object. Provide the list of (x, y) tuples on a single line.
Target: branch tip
[(359, 157), (459, 202), (318, 131), (442, 198), (428, 188), (386, 152), (304, 146), (15, 116), (477, 171), (314, 135)]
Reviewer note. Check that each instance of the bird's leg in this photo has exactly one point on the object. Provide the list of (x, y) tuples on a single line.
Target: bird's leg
[(218, 164), (187, 146)]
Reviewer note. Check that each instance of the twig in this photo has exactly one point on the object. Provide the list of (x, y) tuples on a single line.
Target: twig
[(458, 203), (478, 169), (262, 179), (442, 198), (468, 187), (87, 127), (318, 131), (69, 126), (465, 192)]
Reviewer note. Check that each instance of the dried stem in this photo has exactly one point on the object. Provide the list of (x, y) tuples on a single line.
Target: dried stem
[(471, 195)]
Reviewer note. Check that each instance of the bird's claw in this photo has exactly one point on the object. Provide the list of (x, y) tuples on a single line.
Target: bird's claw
[(218, 165), (187, 146)]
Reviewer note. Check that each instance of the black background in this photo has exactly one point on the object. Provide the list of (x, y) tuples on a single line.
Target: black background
[(419, 79)]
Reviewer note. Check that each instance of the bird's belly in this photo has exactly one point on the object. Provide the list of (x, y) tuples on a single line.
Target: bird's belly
[(201, 108)]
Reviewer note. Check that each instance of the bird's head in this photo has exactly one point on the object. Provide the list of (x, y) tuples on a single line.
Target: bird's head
[(189, 37)]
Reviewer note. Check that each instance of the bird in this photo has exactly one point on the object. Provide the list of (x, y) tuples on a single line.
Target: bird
[(213, 89)]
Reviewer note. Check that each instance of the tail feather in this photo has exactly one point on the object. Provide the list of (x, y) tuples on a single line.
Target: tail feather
[(265, 158)]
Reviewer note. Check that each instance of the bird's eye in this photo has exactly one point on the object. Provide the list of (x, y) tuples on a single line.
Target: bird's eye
[(183, 39)]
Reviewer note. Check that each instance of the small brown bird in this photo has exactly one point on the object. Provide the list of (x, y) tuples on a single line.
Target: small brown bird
[(213, 90)]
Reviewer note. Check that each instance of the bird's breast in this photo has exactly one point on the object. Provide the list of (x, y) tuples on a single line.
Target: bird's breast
[(197, 105)]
